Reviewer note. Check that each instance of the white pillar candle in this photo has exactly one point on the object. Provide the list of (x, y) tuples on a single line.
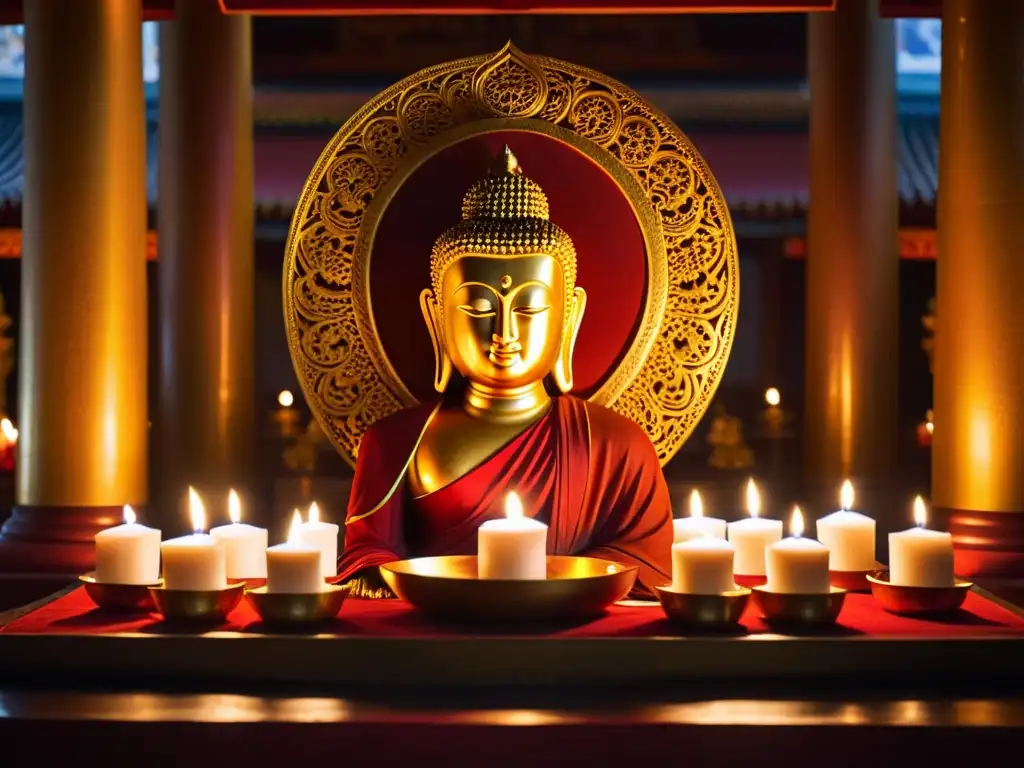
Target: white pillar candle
[(750, 537), (323, 536), (128, 553), (919, 557), (703, 566), (797, 565), (294, 567), (849, 536), (696, 525), (245, 545), (197, 562), (514, 547)]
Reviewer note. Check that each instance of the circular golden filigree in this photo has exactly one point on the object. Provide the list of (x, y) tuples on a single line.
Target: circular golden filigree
[(670, 372)]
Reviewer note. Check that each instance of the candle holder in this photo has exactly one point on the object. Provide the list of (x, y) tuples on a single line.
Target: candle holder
[(917, 601), (129, 598), (449, 588), (800, 610), (296, 609), (851, 581), (750, 581), (197, 605), (704, 612)]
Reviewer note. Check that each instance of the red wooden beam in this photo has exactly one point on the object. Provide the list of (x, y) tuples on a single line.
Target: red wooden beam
[(475, 7), (12, 12)]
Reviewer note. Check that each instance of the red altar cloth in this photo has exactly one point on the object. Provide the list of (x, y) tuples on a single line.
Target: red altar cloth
[(74, 613)]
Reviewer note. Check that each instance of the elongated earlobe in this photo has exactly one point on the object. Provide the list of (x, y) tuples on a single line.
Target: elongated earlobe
[(432, 317), (562, 373)]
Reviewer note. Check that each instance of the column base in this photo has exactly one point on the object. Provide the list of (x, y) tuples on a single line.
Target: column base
[(986, 545), (53, 539)]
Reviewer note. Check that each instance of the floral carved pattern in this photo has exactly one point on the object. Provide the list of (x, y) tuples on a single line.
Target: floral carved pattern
[(347, 381)]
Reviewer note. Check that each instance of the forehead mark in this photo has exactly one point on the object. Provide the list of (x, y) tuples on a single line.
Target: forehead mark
[(506, 282)]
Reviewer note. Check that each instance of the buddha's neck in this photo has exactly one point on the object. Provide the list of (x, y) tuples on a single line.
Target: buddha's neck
[(519, 405)]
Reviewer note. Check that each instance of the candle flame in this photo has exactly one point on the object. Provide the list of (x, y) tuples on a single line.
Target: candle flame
[(920, 513), (929, 427), (128, 514), (753, 498), (314, 513), (8, 429), (234, 506), (772, 396), (295, 530), (196, 510), (796, 523), (513, 506), (696, 504), (285, 399), (846, 495)]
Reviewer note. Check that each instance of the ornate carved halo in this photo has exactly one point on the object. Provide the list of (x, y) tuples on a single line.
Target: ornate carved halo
[(676, 357)]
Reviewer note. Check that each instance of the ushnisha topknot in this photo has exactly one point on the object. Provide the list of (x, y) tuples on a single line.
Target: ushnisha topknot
[(504, 214)]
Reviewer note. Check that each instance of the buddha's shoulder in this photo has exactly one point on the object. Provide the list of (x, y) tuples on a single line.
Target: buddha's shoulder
[(612, 432)]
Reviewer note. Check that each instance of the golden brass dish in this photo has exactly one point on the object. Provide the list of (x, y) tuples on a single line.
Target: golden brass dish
[(196, 605), (800, 610), (285, 609), (448, 587), (917, 601), (706, 612), (129, 598), (851, 581)]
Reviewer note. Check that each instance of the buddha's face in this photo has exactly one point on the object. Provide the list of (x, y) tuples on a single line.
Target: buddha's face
[(503, 318)]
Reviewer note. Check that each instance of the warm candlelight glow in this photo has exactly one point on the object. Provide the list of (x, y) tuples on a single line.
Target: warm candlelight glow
[(796, 523), (196, 511), (696, 504), (314, 513), (285, 399), (295, 531), (513, 506), (753, 498), (8, 429), (128, 514), (234, 506), (846, 495), (772, 396), (929, 427), (920, 513)]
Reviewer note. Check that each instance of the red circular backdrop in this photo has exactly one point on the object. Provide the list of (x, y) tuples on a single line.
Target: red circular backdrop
[(584, 200)]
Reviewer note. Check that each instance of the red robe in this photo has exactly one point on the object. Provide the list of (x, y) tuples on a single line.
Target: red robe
[(590, 474)]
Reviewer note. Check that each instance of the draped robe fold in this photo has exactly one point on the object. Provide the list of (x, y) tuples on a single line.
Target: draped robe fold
[(590, 474)]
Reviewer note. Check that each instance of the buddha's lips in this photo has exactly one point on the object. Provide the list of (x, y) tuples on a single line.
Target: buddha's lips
[(505, 357)]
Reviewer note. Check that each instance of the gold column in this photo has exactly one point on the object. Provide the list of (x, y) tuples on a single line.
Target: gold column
[(852, 259), (82, 451), (205, 226), (978, 449)]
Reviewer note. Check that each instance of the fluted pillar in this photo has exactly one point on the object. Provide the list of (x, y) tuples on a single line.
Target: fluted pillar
[(852, 258), (978, 448), (205, 224), (82, 451)]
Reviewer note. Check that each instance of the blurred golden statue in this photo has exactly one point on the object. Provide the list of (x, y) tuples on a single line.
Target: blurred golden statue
[(729, 451)]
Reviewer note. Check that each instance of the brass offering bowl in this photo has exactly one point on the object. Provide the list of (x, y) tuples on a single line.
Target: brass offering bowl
[(448, 587), (800, 610), (705, 612), (917, 601), (851, 581), (130, 598), (197, 605), (290, 609)]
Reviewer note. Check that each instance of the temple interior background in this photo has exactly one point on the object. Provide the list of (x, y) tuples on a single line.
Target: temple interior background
[(738, 87)]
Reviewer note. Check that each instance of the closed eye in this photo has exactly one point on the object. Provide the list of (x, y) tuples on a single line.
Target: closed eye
[(478, 311), (529, 311)]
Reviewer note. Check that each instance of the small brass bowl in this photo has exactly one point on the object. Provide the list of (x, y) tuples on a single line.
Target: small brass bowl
[(129, 598), (750, 581), (851, 581), (196, 605), (709, 612), (917, 601), (448, 587), (800, 610), (283, 608)]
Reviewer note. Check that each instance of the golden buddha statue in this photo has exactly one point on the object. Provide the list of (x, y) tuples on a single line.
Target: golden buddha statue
[(503, 312)]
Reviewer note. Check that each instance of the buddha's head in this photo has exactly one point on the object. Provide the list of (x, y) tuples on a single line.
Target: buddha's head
[(504, 309)]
